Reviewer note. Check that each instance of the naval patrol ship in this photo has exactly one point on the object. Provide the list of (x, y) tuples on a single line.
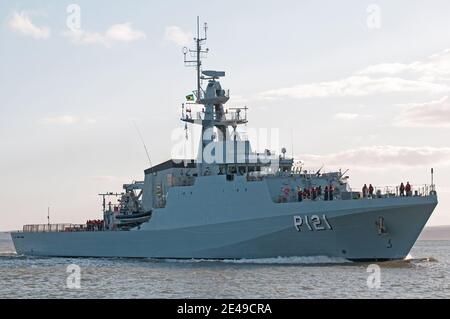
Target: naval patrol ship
[(231, 202)]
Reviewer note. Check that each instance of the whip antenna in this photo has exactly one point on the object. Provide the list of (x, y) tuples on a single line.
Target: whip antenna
[(143, 143)]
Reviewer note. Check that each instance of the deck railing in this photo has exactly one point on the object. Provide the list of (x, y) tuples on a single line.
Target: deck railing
[(234, 114), (336, 194), (54, 228), (394, 191)]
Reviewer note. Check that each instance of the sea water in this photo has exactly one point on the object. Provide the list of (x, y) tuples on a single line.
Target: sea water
[(424, 274)]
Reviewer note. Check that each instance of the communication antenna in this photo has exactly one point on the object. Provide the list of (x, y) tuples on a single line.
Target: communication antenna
[(143, 143), (196, 55), (48, 216)]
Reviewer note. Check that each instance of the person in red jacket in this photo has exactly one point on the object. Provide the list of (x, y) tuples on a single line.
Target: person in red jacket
[(408, 189), (331, 191)]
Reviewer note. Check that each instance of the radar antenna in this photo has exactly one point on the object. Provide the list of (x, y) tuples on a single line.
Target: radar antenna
[(196, 55)]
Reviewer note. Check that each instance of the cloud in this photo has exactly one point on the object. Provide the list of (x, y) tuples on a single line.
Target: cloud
[(346, 116), (434, 68), (355, 86), (351, 116), (431, 76), (383, 157), (67, 120), (114, 34), (430, 114), (84, 37), (384, 68), (64, 120), (239, 99), (124, 33), (178, 35), (21, 22)]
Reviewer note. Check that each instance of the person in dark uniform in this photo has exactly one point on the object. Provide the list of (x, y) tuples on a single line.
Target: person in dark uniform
[(370, 191), (299, 194), (402, 189), (364, 191)]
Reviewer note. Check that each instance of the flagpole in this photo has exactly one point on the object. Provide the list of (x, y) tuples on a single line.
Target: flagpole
[(432, 179)]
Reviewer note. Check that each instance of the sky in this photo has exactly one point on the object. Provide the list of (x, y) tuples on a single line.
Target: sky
[(357, 85)]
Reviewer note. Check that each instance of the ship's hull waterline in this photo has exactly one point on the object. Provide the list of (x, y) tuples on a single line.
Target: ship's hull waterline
[(288, 230)]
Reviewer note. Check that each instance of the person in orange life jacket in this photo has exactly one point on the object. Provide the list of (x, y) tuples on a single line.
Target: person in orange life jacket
[(364, 191), (408, 189), (402, 189), (371, 190), (326, 193)]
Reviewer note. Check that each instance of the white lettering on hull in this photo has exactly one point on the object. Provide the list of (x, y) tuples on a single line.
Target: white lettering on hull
[(313, 223)]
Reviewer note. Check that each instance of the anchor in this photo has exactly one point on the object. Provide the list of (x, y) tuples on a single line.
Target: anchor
[(381, 227)]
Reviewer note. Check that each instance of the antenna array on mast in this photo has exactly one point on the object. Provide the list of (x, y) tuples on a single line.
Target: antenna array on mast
[(196, 56)]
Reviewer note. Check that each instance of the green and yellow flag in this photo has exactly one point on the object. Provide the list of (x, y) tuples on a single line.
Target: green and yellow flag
[(190, 97)]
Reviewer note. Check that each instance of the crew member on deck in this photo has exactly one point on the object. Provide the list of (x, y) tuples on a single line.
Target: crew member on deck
[(299, 194), (313, 193), (402, 189), (370, 191), (408, 189), (326, 192), (364, 191)]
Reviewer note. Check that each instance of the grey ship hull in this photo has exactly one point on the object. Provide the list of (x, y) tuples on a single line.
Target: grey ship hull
[(264, 231)]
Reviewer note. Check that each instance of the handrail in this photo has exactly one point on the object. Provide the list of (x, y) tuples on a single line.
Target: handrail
[(352, 194), (54, 228), (394, 191)]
